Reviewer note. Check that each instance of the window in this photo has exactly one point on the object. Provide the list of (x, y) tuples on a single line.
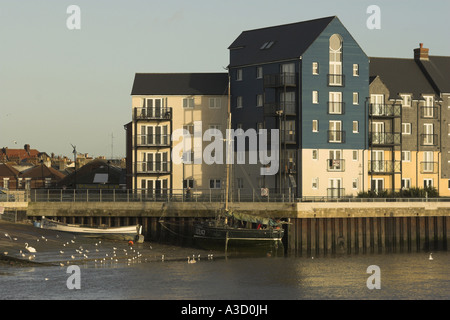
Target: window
[(239, 103), (239, 75), (335, 103), (48, 183), (355, 183), (355, 70), (240, 183), (406, 100), (406, 128), (335, 72), (335, 161), (355, 127), (259, 72), (355, 98), (335, 135), (215, 103), (259, 100), (315, 68), (355, 155), (427, 183), (315, 154), (448, 129), (315, 126), (428, 136), (188, 103), (6, 183), (267, 45), (315, 97), (214, 183), (315, 183), (188, 183), (406, 156), (406, 183), (428, 164)]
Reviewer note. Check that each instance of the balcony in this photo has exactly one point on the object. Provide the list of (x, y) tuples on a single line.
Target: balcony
[(428, 167), (336, 80), (335, 165), (280, 80), (336, 136), (335, 192), (384, 166), (288, 136), (152, 113), (384, 110), (384, 139), (155, 167), (429, 112), (277, 108), (336, 107), (428, 140), (155, 140)]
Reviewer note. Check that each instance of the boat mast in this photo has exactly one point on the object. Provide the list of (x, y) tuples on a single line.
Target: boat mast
[(228, 151)]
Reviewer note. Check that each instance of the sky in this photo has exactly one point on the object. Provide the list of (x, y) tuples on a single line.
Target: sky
[(62, 86)]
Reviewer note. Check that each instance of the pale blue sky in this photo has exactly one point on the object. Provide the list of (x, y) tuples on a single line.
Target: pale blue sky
[(59, 86)]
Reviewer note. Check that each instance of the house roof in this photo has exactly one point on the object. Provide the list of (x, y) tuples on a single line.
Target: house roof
[(253, 46), (8, 171), (42, 171), (438, 69), (180, 84), (401, 76)]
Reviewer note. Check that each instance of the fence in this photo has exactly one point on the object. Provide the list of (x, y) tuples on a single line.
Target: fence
[(198, 195)]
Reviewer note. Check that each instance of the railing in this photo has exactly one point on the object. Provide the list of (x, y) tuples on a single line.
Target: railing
[(384, 110), (210, 195), (280, 80), (336, 136), (152, 113), (288, 136), (154, 140), (160, 167), (384, 166), (384, 138), (336, 165), (336, 107), (277, 108), (428, 139), (336, 80), (429, 112), (428, 167)]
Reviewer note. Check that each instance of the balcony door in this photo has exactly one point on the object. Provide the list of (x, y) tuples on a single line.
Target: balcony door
[(377, 104), (377, 157), (378, 135), (335, 189)]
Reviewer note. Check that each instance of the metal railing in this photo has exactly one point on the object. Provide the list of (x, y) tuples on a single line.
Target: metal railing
[(280, 80), (385, 110), (384, 138), (153, 140), (336, 80), (152, 113)]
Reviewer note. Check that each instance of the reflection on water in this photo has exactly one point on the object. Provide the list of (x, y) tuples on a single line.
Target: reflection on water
[(403, 276)]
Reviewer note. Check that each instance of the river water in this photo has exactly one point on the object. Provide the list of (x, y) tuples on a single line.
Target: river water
[(401, 276)]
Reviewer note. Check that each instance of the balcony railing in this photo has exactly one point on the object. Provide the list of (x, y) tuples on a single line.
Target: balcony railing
[(278, 108), (155, 140), (428, 167), (428, 139), (335, 192), (336, 136), (384, 110), (384, 138), (429, 112), (158, 167), (336, 80), (152, 113), (288, 136), (280, 80), (336, 165), (336, 107), (384, 166)]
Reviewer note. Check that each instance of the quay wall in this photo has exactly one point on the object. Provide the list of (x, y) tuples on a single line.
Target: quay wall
[(314, 227)]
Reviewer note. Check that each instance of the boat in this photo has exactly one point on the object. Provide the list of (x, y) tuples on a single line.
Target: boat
[(133, 232)]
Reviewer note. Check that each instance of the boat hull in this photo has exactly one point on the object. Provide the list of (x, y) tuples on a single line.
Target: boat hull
[(115, 233)]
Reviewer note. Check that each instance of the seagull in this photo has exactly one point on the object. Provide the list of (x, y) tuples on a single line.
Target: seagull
[(430, 257), (8, 236), (30, 249), (191, 261)]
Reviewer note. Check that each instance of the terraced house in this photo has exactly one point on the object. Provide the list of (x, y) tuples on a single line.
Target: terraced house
[(310, 80), (409, 116)]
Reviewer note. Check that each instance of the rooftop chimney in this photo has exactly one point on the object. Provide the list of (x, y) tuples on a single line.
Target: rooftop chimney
[(27, 148), (421, 53)]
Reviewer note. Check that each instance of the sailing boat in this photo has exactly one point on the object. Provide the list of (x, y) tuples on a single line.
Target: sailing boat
[(233, 227)]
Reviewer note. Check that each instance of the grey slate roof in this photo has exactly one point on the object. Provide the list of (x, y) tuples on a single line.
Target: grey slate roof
[(438, 69), (246, 49), (180, 84), (401, 76)]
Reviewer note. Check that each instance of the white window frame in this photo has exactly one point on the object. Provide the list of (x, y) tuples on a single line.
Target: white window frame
[(188, 103), (406, 156), (315, 68), (315, 154), (406, 128), (315, 126), (239, 75), (355, 98), (355, 155), (259, 100), (406, 100), (356, 70), (315, 183), (239, 102), (259, 73), (335, 97), (355, 127), (215, 103), (217, 184), (406, 183), (315, 97)]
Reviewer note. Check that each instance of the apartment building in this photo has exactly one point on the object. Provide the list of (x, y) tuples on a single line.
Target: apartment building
[(408, 140), (310, 80), (161, 104)]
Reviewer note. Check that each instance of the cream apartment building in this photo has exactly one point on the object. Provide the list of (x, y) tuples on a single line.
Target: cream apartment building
[(164, 104)]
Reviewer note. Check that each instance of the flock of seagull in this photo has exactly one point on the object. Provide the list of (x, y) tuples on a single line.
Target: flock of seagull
[(99, 253)]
